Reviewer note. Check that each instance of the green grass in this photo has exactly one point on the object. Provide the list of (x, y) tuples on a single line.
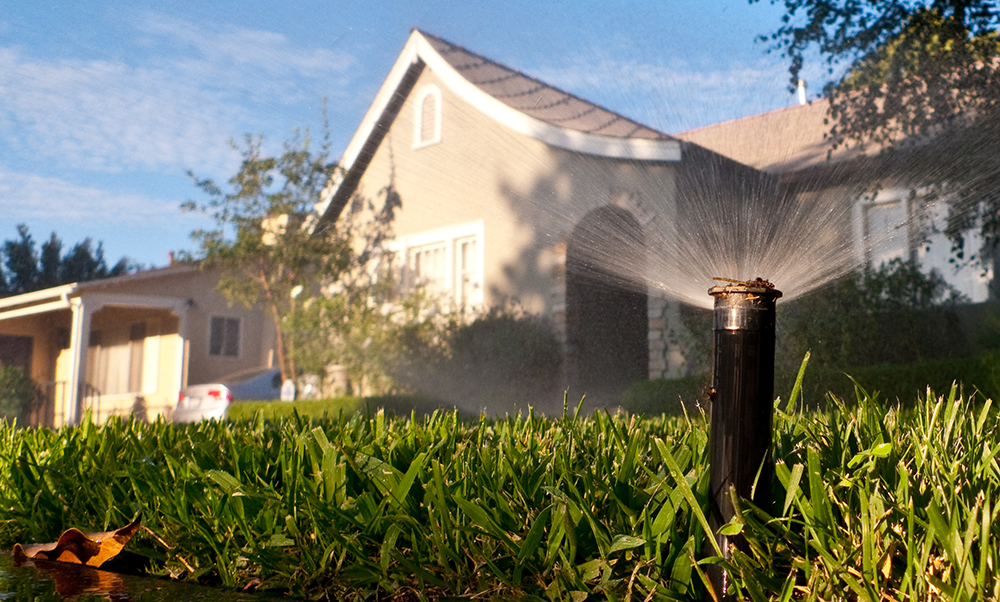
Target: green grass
[(871, 502)]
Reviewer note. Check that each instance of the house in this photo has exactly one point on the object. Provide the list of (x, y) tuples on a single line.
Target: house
[(893, 213), (129, 343), (516, 191)]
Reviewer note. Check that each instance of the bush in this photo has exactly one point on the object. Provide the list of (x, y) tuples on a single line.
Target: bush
[(392, 405), (277, 410), (895, 314), (667, 396), (903, 382), (18, 393), (502, 361)]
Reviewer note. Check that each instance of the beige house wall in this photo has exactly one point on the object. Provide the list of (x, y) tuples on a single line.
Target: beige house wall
[(176, 309), (529, 195), (257, 336)]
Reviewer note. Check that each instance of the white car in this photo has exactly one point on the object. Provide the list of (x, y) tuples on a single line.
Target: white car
[(204, 402)]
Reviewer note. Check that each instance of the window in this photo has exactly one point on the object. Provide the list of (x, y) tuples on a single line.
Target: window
[(427, 117), (447, 263), (115, 359), (427, 267), (224, 338), (887, 229)]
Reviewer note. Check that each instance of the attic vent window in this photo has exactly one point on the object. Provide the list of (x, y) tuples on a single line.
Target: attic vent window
[(427, 117)]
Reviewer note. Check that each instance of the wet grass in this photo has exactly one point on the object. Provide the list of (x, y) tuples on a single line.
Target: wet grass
[(871, 502)]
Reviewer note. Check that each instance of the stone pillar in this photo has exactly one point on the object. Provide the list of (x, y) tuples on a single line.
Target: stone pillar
[(658, 335)]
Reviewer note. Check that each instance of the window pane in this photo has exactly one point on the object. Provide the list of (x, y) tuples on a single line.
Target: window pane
[(116, 369), (428, 268), (232, 348), (887, 230), (216, 337), (467, 271)]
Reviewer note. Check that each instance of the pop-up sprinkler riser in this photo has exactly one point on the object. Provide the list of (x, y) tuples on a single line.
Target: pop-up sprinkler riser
[(742, 398)]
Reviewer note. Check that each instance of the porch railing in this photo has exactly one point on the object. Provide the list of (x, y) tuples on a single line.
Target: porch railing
[(56, 395)]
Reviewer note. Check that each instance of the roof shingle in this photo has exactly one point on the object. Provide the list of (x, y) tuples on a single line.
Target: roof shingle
[(537, 99)]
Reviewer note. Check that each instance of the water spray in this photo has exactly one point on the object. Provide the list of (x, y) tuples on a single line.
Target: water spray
[(742, 399)]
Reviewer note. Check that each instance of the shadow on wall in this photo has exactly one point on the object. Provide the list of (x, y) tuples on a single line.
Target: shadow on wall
[(607, 322), (503, 362), (587, 260)]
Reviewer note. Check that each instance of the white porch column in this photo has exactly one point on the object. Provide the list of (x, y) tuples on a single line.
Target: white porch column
[(78, 343), (181, 309)]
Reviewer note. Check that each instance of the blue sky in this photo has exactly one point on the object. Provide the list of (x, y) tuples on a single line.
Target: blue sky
[(104, 106)]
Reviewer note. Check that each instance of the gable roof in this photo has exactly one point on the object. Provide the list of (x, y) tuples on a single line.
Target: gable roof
[(537, 99), (517, 101), (780, 142)]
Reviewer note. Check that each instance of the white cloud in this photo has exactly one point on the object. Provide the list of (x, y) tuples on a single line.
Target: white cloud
[(173, 105), (673, 97), (29, 197)]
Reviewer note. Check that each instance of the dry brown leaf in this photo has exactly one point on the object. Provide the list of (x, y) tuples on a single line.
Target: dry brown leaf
[(76, 547)]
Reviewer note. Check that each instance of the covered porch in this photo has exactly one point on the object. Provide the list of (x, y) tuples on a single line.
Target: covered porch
[(106, 353)]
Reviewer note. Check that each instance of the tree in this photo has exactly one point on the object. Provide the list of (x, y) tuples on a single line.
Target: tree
[(50, 262), (916, 71), (22, 261), (84, 263), (26, 270), (265, 244)]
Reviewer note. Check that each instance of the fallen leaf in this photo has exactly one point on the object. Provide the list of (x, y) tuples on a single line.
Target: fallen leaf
[(76, 547)]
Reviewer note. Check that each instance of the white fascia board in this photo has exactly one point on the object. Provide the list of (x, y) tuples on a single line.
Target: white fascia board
[(34, 309), (406, 59), (581, 142), (418, 48), (128, 300), (32, 297)]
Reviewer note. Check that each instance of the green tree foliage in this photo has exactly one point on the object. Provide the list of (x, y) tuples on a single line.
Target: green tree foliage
[(894, 314), (84, 262), (22, 261), (26, 270), (50, 262), (266, 245), (913, 70), (370, 329)]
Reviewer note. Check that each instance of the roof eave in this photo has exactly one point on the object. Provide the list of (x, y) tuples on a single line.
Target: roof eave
[(418, 50), (581, 142)]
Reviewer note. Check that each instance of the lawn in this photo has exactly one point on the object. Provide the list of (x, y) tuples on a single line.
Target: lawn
[(870, 502)]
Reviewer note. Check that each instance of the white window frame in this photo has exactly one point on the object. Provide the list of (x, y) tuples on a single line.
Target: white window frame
[(864, 237), (418, 116), (450, 238)]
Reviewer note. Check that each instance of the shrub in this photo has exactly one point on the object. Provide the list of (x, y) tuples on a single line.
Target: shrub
[(392, 405), (18, 393), (277, 410), (903, 382), (895, 314), (667, 396), (503, 360)]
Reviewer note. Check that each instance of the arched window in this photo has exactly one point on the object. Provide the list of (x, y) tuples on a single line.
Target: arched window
[(427, 117)]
